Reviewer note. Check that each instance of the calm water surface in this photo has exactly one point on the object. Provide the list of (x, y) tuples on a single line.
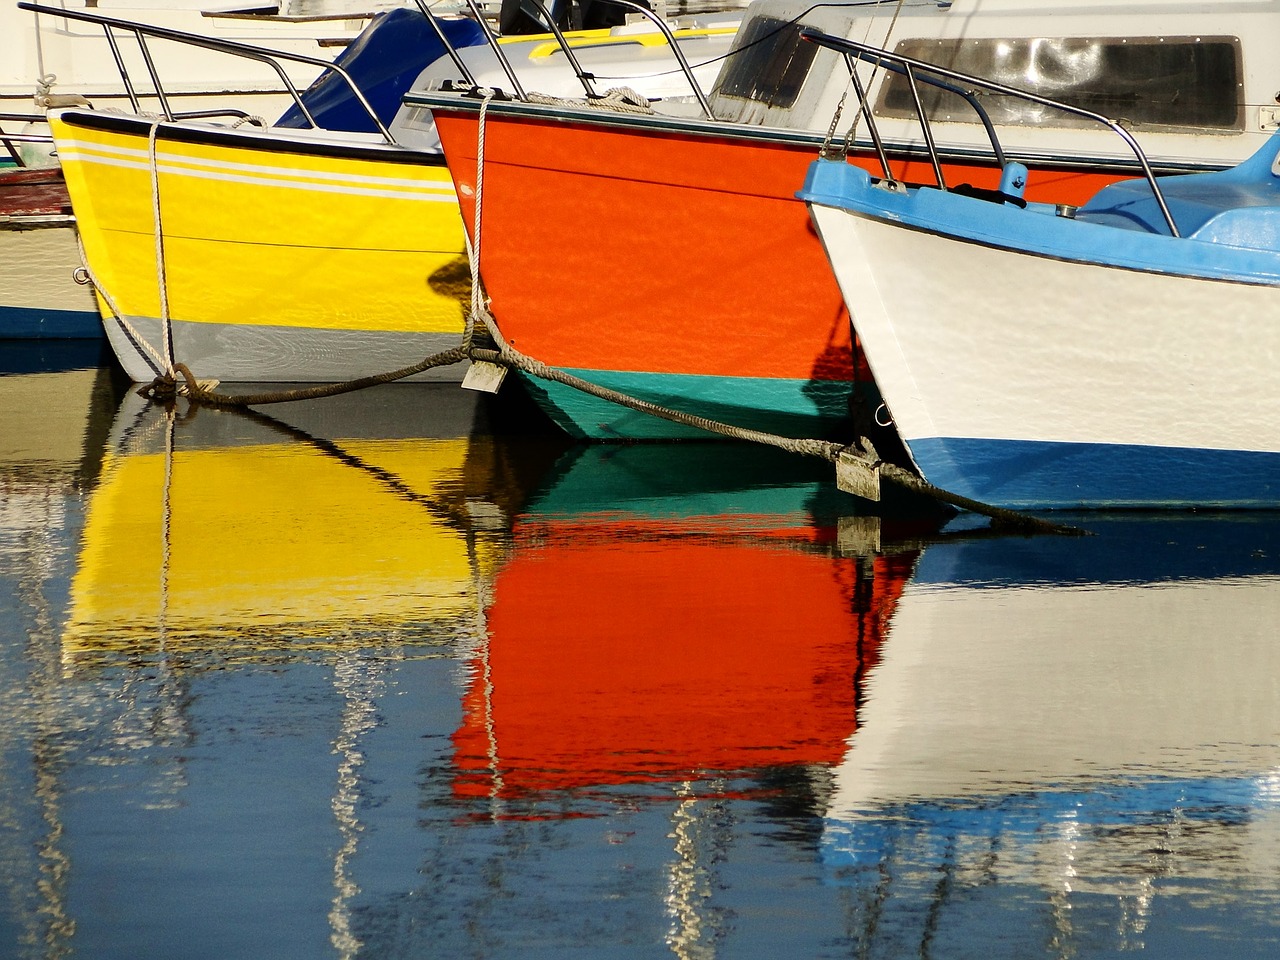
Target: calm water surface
[(381, 677)]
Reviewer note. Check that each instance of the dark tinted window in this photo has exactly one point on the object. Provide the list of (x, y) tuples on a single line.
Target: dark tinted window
[(768, 64), (1167, 82)]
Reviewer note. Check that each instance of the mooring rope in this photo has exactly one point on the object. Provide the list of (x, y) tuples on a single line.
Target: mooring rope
[(162, 365), (851, 134), (479, 306), (617, 99), (162, 283), (167, 384), (194, 389), (150, 354), (862, 454)]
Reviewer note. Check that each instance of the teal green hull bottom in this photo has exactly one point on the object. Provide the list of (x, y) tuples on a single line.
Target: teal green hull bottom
[(800, 409)]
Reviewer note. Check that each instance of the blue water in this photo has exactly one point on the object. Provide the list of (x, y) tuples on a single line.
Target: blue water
[(402, 676)]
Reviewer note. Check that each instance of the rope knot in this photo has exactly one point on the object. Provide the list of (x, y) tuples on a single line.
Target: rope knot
[(167, 386)]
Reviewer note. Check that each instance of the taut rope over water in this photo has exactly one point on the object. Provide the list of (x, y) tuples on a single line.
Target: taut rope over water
[(175, 378), (862, 454)]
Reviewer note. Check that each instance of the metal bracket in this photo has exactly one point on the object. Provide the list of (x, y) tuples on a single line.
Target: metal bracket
[(857, 475), (484, 376)]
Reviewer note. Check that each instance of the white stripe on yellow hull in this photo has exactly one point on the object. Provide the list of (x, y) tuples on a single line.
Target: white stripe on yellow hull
[(293, 264)]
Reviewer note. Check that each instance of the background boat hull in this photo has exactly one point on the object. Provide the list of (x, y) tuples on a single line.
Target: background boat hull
[(40, 298)]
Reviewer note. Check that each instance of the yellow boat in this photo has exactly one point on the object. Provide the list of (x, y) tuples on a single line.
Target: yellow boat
[(368, 518), (289, 256)]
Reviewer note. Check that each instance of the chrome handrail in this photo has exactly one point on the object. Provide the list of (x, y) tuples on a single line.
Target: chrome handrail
[(943, 78), (450, 49), (142, 31), (675, 48), (584, 77), (497, 51)]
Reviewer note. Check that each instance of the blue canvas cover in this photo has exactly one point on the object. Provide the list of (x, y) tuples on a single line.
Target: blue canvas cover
[(383, 61)]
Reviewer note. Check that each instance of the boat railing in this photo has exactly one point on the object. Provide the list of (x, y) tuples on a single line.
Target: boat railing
[(584, 77), (550, 22), (965, 86), (492, 39), (687, 70), (115, 29), (448, 45)]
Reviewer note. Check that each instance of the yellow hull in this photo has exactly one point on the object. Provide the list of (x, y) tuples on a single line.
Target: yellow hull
[(288, 257)]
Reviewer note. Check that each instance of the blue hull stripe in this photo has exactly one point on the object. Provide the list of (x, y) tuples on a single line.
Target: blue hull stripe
[(871, 837), (1036, 474), (31, 323)]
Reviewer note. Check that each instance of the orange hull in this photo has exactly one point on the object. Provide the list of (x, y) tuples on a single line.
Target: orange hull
[(603, 248), (616, 248), (671, 263)]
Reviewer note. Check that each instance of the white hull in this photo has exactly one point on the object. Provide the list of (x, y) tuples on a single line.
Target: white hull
[(979, 351), (1039, 725), (991, 344), (38, 297)]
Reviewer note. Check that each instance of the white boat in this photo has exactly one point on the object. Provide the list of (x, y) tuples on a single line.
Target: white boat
[(1193, 79), (1041, 356), (38, 257), (46, 60)]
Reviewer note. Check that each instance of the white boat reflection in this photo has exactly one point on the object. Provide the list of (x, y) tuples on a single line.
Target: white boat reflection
[(1097, 720)]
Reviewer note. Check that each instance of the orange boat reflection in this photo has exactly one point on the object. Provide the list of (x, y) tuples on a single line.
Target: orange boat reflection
[(648, 628)]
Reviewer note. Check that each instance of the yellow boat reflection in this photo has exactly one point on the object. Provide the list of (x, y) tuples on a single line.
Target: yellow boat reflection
[(303, 528)]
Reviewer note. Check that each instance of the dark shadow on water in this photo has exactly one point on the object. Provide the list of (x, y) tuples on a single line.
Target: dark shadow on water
[(53, 356)]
